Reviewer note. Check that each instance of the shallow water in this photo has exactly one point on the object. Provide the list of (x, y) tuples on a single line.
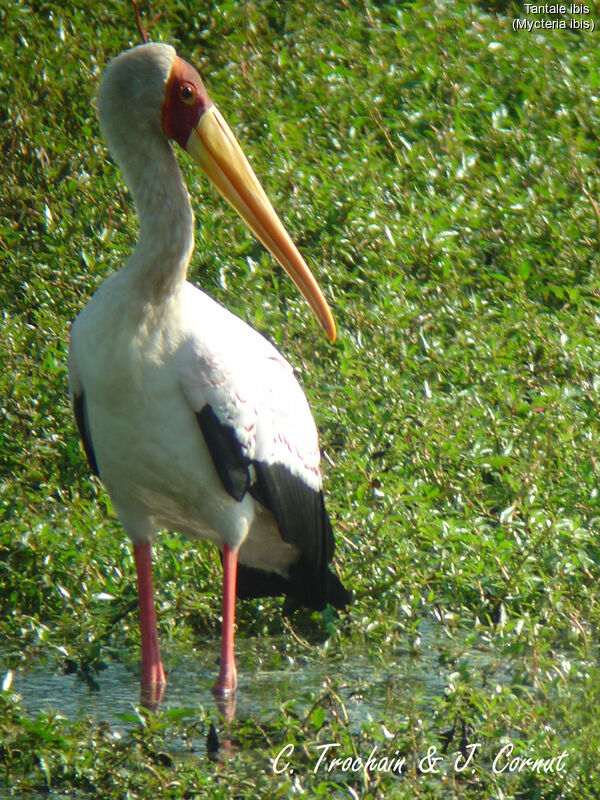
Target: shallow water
[(44, 687), (361, 678), (369, 680)]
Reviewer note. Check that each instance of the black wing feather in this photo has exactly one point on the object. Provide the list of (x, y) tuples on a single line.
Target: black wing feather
[(226, 452), (80, 410), (302, 520), (299, 512)]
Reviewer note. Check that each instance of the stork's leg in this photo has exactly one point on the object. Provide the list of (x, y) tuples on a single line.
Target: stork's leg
[(227, 679), (153, 674)]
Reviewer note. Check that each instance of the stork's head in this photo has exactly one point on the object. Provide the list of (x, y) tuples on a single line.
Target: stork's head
[(149, 91)]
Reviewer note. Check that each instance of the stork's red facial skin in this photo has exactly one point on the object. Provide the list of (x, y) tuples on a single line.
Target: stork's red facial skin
[(186, 100)]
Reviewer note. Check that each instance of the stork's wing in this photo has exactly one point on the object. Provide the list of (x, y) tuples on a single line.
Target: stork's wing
[(262, 439), (80, 410)]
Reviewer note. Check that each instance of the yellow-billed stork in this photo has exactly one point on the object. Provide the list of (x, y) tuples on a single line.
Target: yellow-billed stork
[(192, 420)]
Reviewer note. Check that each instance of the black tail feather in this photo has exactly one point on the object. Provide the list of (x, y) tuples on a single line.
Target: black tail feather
[(252, 582)]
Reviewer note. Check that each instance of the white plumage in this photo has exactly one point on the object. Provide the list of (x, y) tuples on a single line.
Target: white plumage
[(146, 371)]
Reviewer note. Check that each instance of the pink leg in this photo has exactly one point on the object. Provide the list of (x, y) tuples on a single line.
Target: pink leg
[(227, 681), (153, 674)]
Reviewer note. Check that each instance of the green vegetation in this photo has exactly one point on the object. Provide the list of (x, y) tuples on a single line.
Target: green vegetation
[(439, 171)]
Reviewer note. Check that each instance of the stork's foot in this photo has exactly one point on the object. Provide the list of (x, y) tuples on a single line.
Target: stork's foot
[(153, 674), (226, 683), (152, 684), (151, 694), (224, 690)]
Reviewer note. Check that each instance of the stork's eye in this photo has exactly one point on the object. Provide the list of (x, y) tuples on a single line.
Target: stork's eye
[(187, 93)]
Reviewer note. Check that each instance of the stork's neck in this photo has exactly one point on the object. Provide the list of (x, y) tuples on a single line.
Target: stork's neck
[(159, 262)]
